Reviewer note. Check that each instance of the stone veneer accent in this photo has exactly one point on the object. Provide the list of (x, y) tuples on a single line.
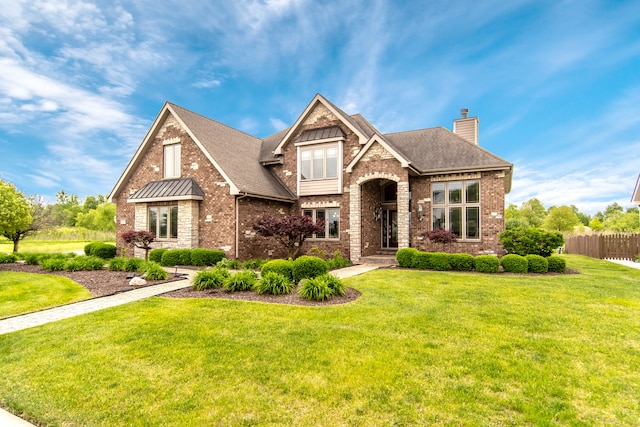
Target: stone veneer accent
[(403, 215), (355, 242)]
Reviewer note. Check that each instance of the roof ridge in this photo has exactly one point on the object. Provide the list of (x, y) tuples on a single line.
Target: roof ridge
[(417, 130)]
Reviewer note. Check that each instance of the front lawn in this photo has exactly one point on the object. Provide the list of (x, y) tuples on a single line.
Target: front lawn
[(23, 292), (417, 348)]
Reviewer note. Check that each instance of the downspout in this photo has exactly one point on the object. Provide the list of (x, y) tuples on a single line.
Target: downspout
[(238, 224)]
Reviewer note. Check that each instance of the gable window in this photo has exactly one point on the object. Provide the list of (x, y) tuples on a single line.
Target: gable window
[(318, 163), (456, 207), (163, 221), (331, 219), (172, 161)]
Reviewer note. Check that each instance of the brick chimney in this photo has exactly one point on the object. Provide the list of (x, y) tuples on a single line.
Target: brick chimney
[(466, 127)]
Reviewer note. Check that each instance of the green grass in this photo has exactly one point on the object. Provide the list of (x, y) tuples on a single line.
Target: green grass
[(44, 246), (417, 348), (23, 292)]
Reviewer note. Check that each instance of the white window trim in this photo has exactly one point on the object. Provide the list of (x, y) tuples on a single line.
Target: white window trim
[(326, 224), (169, 228), (307, 146), (177, 167), (463, 205)]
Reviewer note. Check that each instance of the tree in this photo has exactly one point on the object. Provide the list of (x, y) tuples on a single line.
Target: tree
[(15, 215), (140, 239), (584, 218), (595, 224), (100, 218), (561, 218), (623, 222), (441, 236), (533, 211), (290, 230)]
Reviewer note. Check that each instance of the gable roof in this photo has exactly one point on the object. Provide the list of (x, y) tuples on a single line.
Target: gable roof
[(635, 198)]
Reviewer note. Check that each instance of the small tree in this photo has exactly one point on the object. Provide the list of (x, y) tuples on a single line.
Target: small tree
[(290, 230), (140, 239), (441, 236), (15, 214)]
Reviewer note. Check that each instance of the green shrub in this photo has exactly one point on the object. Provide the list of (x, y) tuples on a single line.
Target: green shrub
[(405, 256), (170, 258), (422, 260), (241, 281), (53, 264), (156, 254), (201, 257), (154, 271), (117, 263), (526, 241), (308, 267), (229, 264), (556, 264), (184, 256), (281, 266), (316, 289), (133, 264), (338, 261), (440, 261), (274, 284), (104, 250), (209, 279), (7, 258), (487, 264), (335, 284), (90, 247), (32, 258), (89, 262), (537, 264), (513, 263), (250, 264), (462, 262)]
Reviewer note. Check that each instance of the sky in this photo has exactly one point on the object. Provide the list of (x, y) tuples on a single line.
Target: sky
[(555, 84)]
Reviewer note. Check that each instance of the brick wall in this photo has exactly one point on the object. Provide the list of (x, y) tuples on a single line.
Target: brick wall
[(251, 244)]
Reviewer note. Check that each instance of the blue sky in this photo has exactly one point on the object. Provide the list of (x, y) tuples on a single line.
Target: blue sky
[(556, 84)]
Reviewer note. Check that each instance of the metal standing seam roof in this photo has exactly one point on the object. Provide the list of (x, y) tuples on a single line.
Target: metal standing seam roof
[(168, 189), (322, 133)]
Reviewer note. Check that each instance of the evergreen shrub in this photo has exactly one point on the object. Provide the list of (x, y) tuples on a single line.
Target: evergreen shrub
[(281, 266), (440, 261), (405, 256), (103, 250), (537, 264), (556, 264), (308, 267), (156, 255), (170, 258), (422, 260), (462, 262), (89, 247), (513, 263), (487, 264)]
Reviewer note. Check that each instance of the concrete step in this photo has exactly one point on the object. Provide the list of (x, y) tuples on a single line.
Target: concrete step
[(379, 259)]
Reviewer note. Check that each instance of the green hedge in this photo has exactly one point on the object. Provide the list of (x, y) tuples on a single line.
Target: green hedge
[(556, 264), (513, 263), (537, 264), (422, 261), (462, 262), (487, 264), (156, 254), (440, 261), (405, 256)]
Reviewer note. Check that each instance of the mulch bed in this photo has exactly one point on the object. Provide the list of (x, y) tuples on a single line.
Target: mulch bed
[(104, 282)]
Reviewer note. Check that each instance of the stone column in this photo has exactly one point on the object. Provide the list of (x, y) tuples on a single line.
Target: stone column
[(355, 223), (403, 215), (139, 224), (188, 212)]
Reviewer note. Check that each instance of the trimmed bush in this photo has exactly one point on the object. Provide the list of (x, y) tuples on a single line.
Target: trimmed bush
[(308, 267), (556, 264), (184, 256), (422, 260), (462, 262), (315, 289), (274, 284), (7, 258), (53, 264), (201, 257), (89, 247), (513, 263), (209, 279), (154, 271), (156, 255), (117, 263), (280, 266), (405, 256), (133, 265), (537, 264), (487, 264), (241, 281), (170, 258), (335, 284), (440, 261), (104, 251), (526, 241)]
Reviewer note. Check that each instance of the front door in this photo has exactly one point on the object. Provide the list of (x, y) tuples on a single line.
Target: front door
[(389, 228)]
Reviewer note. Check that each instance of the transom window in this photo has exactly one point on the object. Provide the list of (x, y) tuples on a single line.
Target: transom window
[(163, 221), (318, 163), (172, 161), (456, 207), (331, 219)]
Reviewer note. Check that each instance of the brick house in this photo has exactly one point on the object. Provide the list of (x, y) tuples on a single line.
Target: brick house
[(196, 182)]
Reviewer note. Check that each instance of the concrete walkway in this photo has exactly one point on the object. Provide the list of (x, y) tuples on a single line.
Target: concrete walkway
[(30, 320)]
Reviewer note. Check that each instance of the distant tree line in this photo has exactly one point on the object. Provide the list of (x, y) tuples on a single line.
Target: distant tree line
[(532, 213)]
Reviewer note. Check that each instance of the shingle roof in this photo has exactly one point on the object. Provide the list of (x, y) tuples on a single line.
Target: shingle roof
[(438, 149), (169, 189), (237, 154)]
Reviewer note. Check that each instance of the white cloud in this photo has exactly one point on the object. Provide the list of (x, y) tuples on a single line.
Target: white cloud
[(278, 124)]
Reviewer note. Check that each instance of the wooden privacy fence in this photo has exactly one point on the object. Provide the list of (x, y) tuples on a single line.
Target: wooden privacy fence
[(614, 246)]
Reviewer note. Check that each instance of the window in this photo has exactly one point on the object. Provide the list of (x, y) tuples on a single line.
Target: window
[(163, 221), (172, 161), (331, 219), (456, 207), (319, 163)]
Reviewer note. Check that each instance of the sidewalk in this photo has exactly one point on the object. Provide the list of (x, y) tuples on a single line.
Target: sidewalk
[(58, 313)]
